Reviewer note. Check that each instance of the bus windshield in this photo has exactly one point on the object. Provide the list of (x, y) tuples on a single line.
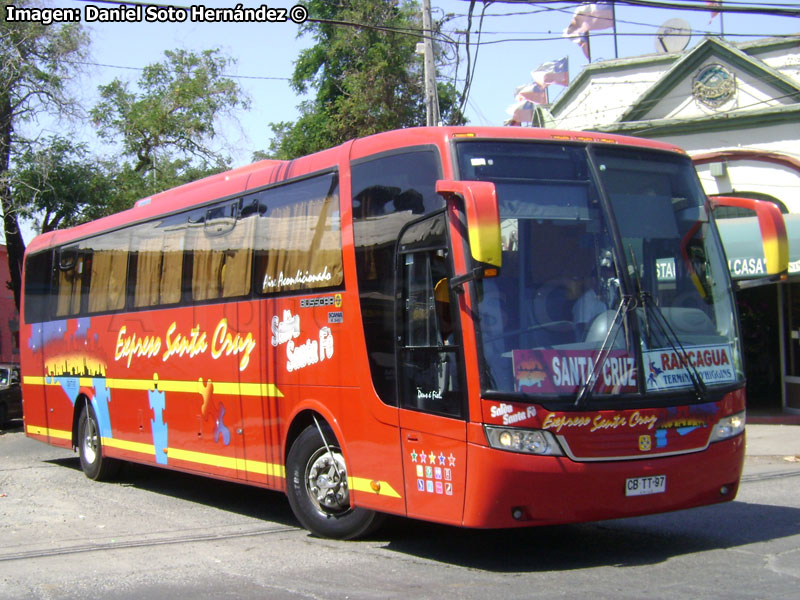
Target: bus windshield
[(613, 282)]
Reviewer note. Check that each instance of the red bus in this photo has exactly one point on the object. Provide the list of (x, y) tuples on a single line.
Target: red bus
[(485, 327)]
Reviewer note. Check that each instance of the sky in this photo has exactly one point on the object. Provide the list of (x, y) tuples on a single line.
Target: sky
[(515, 39)]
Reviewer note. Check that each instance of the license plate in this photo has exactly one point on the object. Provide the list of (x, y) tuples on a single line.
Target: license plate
[(642, 486)]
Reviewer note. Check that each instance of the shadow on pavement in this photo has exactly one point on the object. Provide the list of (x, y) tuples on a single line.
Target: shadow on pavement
[(626, 542), (245, 500)]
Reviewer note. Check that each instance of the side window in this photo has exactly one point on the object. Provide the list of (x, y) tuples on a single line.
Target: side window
[(222, 255), (428, 349), (159, 247), (108, 277), (298, 239), (388, 192), (92, 275), (70, 276), (38, 275)]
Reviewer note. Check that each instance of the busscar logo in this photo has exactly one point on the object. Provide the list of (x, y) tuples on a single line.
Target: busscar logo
[(323, 301)]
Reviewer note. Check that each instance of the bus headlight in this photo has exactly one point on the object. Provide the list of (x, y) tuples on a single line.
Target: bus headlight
[(526, 441), (728, 427)]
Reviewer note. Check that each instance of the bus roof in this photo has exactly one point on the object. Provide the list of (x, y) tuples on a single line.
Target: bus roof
[(265, 172)]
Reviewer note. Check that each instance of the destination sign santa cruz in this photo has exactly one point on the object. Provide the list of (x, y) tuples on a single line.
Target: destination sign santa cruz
[(197, 13)]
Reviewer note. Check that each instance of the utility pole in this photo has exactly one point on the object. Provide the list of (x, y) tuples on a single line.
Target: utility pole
[(431, 95)]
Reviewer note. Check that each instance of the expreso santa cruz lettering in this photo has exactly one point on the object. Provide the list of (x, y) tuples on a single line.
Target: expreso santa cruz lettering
[(391, 327)]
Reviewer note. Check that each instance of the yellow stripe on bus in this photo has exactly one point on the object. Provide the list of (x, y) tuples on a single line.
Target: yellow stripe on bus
[(359, 484), (129, 446), (53, 433), (227, 462), (166, 385)]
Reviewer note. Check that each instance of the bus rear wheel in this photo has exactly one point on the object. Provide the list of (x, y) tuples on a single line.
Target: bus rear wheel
[(94, 464), (317, 487)]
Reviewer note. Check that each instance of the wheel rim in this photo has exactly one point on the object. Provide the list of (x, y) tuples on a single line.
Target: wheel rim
[(91, 441), (326, 482)]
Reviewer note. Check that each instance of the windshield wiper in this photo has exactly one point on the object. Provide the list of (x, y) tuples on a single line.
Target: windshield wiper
[(625, 304), (648, 304), (675, 343)]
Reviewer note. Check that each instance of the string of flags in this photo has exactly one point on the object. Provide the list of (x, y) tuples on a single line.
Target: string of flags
[(589, 16), (530, 95), (714, 6)]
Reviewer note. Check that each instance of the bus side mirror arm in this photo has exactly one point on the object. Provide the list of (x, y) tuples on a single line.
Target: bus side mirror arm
[(457, 283), (773, 230)]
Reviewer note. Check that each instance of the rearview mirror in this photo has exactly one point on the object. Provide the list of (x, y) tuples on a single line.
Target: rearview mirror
[(483, 217), (772, 226)]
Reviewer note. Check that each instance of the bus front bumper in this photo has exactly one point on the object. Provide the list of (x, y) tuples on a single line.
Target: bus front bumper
[(506, 489)]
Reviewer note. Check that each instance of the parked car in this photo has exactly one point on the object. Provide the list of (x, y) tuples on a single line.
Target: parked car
[(10, 393)]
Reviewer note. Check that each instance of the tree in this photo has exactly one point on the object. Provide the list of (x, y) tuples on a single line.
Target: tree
[(36, 63), (172, 117), (366, 74), (58, 184), (129, 185)]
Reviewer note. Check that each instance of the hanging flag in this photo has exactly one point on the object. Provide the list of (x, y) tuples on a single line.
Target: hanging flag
[(713, 4), (589, 16), (531, 92), (521, 111), (556, 71)]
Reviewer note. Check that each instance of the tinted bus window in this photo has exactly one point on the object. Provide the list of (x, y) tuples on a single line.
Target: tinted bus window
[(69, 280), (222, 251), (298, 238), (108, 262), (38, 272), (388, 192), (159, 247)]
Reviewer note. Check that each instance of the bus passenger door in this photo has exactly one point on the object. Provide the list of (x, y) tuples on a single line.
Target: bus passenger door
[(430, 381)]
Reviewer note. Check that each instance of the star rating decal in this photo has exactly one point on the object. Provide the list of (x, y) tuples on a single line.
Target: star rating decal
[(431, 458), (437, 476)]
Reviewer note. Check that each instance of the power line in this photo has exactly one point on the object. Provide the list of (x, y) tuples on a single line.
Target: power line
[(411, 31), (549, 37), (128, 68), (777, 10)]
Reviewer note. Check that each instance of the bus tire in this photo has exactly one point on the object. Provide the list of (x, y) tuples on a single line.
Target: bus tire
[(318, 492), (90, 448)]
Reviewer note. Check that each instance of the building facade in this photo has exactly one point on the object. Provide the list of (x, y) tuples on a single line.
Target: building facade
[(735, 108), (9, 317)]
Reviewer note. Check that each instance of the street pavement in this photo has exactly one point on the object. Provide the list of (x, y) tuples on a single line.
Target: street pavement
[(773, 440)]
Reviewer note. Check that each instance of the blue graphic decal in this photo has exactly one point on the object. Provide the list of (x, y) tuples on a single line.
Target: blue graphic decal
[(661, 438), (221, 430), (52, 330), (654, 373), (158, 403), (102, 396), (70, 385), (82, 328)]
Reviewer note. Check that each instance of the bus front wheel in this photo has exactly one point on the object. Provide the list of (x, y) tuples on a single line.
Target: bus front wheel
[(94, 464), (317, 487)]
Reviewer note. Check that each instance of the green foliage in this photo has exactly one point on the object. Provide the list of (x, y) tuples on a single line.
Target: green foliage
[(36, 63), (59, 185), (129, 185), (365, 73), (171, 119)]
